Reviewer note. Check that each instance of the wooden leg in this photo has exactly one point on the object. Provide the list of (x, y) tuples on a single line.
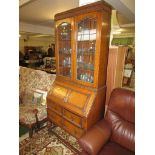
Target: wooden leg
[(31, 132), (32, 129), (50, 125), (37, 125)]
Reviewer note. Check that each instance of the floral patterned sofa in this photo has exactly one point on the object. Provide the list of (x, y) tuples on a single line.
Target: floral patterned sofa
[(33, 88)]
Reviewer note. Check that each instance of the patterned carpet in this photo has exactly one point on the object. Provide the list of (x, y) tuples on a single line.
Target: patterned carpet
[(53, 142)]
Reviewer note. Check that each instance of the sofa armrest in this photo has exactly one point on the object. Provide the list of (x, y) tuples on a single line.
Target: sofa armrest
[(95, 137)]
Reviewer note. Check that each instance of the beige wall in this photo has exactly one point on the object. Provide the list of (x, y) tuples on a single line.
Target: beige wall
[(41, 41)]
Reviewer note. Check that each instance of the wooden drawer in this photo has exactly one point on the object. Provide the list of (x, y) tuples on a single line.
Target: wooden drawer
[(75, 131), (55, 107), (73, 118), (54, 117)]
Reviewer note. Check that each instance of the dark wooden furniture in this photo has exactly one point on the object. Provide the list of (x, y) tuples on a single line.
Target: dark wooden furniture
[(77, 98), (33, 56)]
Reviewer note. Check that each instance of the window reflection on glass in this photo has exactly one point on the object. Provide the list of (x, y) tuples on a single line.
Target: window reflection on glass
[(86, 47), (64, 48)]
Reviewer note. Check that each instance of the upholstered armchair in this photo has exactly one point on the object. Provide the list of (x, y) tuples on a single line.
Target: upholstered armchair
[(33, 88), (114, 134)]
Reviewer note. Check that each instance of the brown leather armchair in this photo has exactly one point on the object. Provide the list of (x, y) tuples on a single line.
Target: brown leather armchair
[(113, 135)]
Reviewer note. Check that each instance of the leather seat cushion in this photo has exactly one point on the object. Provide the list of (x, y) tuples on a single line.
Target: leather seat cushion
[(112, 148)]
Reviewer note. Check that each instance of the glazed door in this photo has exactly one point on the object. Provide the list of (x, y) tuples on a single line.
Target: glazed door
[(85, 53), (64, 30)]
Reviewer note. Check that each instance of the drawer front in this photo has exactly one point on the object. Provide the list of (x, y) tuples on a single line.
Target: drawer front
[(75, 131), (75, 119), (55, 107), (54, 117), (78, 99)]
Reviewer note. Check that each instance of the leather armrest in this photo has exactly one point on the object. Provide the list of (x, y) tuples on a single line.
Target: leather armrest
[(95, 137)]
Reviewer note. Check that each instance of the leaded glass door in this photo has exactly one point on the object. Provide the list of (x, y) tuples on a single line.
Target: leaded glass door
[(64, 36), (86, 49)]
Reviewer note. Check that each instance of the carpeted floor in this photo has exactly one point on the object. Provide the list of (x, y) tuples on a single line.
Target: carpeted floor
[(53, 142)]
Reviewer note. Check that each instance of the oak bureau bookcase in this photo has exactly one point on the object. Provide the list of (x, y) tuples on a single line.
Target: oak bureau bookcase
[(77, 98)]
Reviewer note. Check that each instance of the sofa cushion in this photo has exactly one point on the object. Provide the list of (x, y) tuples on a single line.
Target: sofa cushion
[(112, 148), (34, 96), (37, 97), (27, 96), (121, 117), (123, 132), (34, 79), (43, 93), (27, 113)]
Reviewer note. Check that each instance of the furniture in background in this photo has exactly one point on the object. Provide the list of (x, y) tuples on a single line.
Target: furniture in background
[(114, 134), (119, 56), (129, 69), (33, 56), (49, 65), (33, 88), (76, 100)]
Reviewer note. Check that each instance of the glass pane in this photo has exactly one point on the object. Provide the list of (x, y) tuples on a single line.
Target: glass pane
[(64, 48), (86, 48)]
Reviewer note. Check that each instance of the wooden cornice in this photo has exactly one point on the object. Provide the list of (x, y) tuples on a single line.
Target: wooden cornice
[(97, 6)]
